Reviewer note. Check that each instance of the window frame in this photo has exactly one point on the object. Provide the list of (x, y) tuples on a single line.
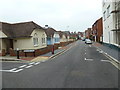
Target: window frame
[(35, 40)]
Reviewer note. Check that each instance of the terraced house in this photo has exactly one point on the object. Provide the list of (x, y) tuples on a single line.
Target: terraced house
[(22, 36)]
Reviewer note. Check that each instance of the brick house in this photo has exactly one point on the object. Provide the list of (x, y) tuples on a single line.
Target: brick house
[(97, 31)]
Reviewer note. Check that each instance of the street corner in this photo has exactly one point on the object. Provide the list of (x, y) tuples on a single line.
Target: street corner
[(39, 58)]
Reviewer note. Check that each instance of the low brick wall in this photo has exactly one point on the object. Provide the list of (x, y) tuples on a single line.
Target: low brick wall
[(3, 52), (62, 44), (39, 51), (12, 52), (36, 53)]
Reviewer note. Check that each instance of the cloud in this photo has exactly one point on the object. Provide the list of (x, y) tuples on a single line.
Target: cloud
[(77, 14)]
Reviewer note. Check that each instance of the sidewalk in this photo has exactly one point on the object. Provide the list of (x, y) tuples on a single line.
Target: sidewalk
[(38, 58), (110, 51)]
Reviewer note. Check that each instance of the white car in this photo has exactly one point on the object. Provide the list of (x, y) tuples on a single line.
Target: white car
[(88, 41)]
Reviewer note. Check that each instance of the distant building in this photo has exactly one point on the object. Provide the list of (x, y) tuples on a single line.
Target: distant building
[(88, 33), (111, 22), (97, 31), (63, 36), (81, 35)]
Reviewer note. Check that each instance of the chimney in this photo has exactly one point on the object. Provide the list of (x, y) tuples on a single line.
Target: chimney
[(46, 27)]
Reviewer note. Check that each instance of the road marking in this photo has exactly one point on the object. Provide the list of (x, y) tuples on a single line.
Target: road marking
[(37, 63), (22, 66), (100, 51), (105, 60), (97, 50), (18, 70), (117, 66), (89, 45), (5, 71), (32, 63), (13, 69), (85, 53), (29, 66), (88, 59)]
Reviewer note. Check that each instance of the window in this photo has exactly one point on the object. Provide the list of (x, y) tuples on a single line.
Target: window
[(104, 15), (43, 39), (108, 11), (35, 40)]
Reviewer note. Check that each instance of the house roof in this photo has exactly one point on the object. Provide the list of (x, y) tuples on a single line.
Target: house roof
[(50, 32), (67, 32), (19, 29), (62, 33)]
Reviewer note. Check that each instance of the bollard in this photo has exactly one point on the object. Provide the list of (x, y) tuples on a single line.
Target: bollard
[(18, 53), (53, 49)]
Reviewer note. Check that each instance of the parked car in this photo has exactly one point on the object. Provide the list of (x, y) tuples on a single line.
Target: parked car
[(88, 41), (83, 39)]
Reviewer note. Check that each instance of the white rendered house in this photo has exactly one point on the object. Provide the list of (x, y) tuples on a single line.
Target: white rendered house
[(111, 22)]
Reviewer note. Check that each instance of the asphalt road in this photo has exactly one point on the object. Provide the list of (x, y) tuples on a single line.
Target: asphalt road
[(83, 66)]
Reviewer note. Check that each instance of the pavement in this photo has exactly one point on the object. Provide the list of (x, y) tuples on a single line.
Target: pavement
[(82, 66), (38, 58), (111, 53)]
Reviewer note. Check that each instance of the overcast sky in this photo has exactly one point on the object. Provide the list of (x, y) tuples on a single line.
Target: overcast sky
[(72, 15)]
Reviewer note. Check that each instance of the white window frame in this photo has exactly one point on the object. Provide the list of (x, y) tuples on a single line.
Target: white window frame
[(35, 40), (43, 39)]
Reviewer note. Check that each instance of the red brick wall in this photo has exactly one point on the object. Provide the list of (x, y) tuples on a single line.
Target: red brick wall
[(12, 52), (3, 53), (39, 51), (98, 26)]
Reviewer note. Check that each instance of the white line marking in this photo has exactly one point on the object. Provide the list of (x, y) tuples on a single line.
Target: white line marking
[(89, 45), (97, 50), (105, 60), (85, 53), (37, 63), (18, 70), (22, 66), (5, 71), (13, 69), (100, 51), (32, 63), (88, 59), (29, 66)]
